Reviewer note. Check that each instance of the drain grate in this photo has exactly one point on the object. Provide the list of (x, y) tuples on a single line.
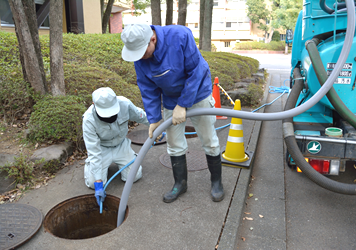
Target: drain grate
[(18, 223), (196, 160)]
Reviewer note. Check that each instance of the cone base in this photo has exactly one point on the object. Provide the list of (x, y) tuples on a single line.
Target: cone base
[(235, 160), (245, 164)]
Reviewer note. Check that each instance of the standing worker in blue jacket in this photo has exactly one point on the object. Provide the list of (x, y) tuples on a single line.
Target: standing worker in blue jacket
[(169, 66), (105, 126)]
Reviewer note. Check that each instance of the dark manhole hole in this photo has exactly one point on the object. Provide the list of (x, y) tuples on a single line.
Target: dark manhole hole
[(196, 160), (191, 130), (140, 136), (18, 223), (80, 218)]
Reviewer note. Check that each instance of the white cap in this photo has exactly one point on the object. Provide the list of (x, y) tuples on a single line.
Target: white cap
[(105, 101), (136, 38)]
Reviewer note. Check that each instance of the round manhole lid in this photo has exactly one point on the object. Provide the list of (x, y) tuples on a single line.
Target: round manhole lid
[(18, 223), (196, 160)]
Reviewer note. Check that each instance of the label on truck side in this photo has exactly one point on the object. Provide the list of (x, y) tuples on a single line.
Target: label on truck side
[(346, 72), (332, 66)]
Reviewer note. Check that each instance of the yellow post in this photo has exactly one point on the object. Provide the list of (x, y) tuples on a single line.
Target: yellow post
[(235, 149)]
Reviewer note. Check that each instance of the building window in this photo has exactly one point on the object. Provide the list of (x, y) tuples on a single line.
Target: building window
[(228, 24), (227, 44), (216, 3), (6, 15), (196, 25), (283, 37)]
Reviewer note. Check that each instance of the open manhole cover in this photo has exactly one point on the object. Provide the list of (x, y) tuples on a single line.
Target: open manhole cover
[(196, 160), (18, 223), (140, 136), (80, 218)]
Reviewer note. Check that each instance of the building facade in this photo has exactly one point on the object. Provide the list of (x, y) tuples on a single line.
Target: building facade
[(79, 16)]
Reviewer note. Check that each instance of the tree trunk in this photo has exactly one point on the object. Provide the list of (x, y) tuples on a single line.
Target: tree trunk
[(56, 47), (106, 16), (201, 23), (156, 12), (22, 58), (182, 12), (102, 6), (169, 13), (269, 39), (25, 19), (208, 16)]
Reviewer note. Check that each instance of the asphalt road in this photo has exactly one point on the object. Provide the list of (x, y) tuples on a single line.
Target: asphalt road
[(286, 210)]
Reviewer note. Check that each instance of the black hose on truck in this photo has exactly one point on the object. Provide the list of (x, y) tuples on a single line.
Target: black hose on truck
[(289, 138)]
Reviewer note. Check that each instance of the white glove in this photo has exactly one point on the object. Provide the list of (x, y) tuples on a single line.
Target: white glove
[(152, 128), (178, 115)]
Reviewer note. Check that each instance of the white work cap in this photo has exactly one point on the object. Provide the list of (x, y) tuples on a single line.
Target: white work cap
[(105, 101), (136, 38)]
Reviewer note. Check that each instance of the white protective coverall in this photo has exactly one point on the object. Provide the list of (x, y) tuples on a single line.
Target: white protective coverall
[(107, 143)]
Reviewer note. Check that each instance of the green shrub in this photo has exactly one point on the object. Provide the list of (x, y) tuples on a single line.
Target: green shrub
[(273, 45), (253, 96), (90, 61), (22, 169), (230, 68), (82, 80), (276, 36), (57, 118), (52, 166)]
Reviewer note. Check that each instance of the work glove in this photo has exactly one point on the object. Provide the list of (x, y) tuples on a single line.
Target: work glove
[(152, 128), (99, 192), (178, 115)]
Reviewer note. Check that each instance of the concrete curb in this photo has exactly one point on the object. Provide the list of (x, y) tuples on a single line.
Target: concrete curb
[(229, 237)]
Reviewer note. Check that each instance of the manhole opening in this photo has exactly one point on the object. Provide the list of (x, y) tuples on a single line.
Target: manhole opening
[(80, 218), (190, 129)]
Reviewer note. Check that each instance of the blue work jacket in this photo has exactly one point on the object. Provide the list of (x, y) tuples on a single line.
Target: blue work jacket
[(177, 72)]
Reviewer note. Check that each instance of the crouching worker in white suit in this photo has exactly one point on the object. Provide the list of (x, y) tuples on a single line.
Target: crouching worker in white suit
[(105, 126)]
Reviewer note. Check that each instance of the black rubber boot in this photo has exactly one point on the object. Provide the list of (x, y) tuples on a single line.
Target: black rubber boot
[(179, 166), (217, 190)]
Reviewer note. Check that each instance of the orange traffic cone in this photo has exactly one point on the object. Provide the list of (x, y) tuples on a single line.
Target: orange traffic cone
[(216, 95), (235, 150)]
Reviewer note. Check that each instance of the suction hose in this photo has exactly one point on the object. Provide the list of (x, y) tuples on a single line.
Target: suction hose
[(325, 8), (246, 115), (322, 76), (293, 149)]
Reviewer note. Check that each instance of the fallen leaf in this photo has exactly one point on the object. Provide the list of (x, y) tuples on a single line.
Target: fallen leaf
[(247, 213), (38, 186), (249, 218), (250, 195), (251, 228), (261, 216), (243, 238), (256, 199)]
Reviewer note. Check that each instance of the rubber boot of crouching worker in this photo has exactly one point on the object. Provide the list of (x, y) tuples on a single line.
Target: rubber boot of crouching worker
[(180, 174), (214, 165)]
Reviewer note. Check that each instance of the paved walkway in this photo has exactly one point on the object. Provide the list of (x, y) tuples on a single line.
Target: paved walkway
[(191, 222)]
